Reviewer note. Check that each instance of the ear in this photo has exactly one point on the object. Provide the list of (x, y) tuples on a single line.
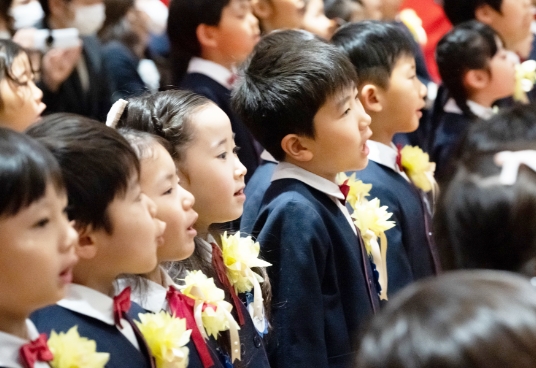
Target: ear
[(486, 14), (261, 8), (206, 36), (296, 147), (87, 245), (476, 79), (369, 97)]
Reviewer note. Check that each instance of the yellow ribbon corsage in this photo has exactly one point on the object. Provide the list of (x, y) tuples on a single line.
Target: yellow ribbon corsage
[(358, 190), (411, 20), (166, 337), (525, 79), (70, 350), (211, 312), (420, 170), (240, 255)]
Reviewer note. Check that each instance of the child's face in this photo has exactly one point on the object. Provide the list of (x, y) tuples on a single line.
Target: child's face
[(283, 14), (21, 102), (211, 170), (512, 22), (341, 131), (136, 234), (316, 22), (403, 99), (37, 254), (502, 74), (238, 31), (174, 205)]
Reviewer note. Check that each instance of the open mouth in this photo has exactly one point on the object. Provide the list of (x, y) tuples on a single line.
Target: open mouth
[(240, 192)]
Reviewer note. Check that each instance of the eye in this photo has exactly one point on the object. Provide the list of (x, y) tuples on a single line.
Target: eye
[(169, 191), (42, 223), (346, 112), (222, 155)]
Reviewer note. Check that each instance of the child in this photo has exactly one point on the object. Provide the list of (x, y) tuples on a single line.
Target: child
[(484, 217), (510, 19), (205, 156), (37, 252), (315, 20), (118, 234), (279, 14), (21, 99), (301, 104), (393, 96), (208, 40), (477, 319), (476, 71)]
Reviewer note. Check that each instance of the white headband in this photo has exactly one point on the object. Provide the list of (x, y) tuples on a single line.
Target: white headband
[(510, 162), (115, 113)]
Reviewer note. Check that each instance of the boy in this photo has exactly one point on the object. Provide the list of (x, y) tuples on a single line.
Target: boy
[(301, 104), (393, 96), (279, 14), (511, 19), (118, 234)]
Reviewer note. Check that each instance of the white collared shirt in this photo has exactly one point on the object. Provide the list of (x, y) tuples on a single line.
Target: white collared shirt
[(218, 72), (266, 156), (385, 155), (10, 348), (481, 111), (95, 304), (286, 170)]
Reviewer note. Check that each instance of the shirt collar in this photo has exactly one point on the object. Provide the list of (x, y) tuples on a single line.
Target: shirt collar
[(10, 347), (481, 111), (383, 154), (286, 170), (218, 72), (89, 302), (266, 156)]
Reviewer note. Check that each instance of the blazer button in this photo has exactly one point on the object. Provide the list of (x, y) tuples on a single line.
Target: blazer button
[(257, 341)]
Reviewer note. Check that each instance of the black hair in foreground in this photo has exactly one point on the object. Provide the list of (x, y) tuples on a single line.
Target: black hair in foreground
[(26, 168), (97, 163), (286, 80), (374, 48), (470, 319)]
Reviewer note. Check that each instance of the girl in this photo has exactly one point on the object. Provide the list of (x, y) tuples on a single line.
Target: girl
[(20, 103), (485, 214), (476, 71), (205, 156), (37, 240)]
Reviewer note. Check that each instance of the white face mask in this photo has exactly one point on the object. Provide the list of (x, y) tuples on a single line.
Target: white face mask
[(88, 19), (157, 13), (27, 15)]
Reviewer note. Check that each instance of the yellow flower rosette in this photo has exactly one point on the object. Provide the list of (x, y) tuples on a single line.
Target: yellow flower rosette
[(414, 23), (167, 338), (211, 312), (358, 190), (525, 79), (418, 167), (240, 255), (70, 350)]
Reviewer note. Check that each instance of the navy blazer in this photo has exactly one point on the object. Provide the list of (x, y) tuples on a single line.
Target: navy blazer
[(322, 285), (257, 186), (411, 251), (108, 338), (221, 96), (450, 131)]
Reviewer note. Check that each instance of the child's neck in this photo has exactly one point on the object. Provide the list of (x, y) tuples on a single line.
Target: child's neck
[(378, 125), (88, 275), (217, 57), (155, 276), (14, 324), (312, 167), (482, 98)]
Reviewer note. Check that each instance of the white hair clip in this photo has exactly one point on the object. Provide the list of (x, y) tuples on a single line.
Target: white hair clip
[(510, 162), (115, 113)]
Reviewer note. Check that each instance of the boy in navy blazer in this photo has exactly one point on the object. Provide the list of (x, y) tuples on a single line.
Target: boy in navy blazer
[(299, 99), (393, 96), (117, 235)]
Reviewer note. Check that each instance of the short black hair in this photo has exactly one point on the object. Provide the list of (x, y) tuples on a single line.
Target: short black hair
[(374, 47), (286, 80), (470, 319), (96, 161), (26, 168), (459, 11), (9, 51), (468, 46)]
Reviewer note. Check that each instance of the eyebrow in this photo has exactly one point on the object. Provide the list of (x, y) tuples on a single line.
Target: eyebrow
[(342, 101), (223, 141)]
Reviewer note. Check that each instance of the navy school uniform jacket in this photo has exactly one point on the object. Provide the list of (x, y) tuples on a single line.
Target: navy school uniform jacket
[(322, 282), (107, 337), (410, 247), (257, 186), (221, 96)]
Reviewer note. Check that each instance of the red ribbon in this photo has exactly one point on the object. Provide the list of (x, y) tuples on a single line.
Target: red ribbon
[(36, 350), (121, 305), (183, 307), (219, 266), (345, 189), (399, 157)]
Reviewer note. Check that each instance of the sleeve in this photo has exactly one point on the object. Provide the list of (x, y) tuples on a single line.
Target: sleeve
[(295, 240)]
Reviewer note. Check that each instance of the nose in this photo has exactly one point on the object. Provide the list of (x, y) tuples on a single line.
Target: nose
[(240, 169), (70, 237), (36, 92), (188, 199), (151, 206), (424, 90)]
